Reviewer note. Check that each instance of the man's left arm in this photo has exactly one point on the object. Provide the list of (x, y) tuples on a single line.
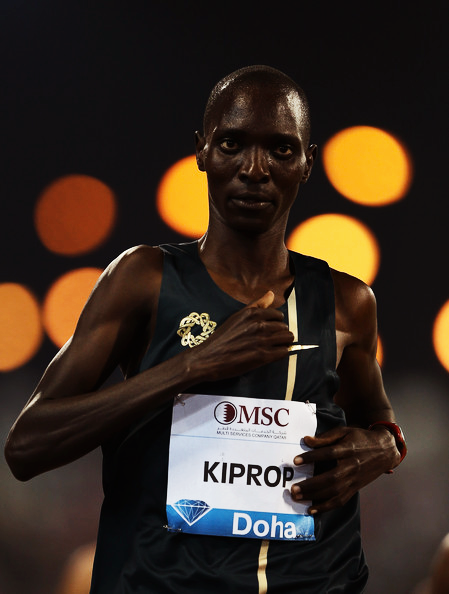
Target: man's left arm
[(361, 451)]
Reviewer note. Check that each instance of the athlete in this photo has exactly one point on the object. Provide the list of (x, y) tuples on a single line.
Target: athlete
[(260, 300)]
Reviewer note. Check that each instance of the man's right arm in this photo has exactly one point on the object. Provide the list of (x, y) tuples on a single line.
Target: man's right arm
[(70, 414)]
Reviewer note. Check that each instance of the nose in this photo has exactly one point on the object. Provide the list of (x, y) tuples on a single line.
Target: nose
[(254, 167)]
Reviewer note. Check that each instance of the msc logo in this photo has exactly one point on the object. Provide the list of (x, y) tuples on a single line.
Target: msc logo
[(225, 413)]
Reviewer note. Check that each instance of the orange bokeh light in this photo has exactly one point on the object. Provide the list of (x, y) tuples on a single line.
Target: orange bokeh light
[(64, 302), (441, 335), (367, 165), (181, 198), (343, 242), (380, 352), (75, 214), (20, 326)]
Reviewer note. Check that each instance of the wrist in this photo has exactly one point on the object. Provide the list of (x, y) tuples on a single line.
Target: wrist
[(397, 434), (192, 370)]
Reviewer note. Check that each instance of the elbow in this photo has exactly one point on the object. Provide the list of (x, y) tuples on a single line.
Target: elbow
[(18, 461)]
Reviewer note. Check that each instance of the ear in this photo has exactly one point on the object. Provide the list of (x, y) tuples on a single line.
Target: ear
[(200, 142), (311, 153)]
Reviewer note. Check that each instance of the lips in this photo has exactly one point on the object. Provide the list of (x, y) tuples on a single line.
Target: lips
[(252, 201)]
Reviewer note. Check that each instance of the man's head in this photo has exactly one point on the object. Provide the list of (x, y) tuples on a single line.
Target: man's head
[(255, 149), (258, 76)]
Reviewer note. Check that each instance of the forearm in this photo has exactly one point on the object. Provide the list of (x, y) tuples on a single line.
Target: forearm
[(370, 413), (51, 432), (366, 416), (362, 394)]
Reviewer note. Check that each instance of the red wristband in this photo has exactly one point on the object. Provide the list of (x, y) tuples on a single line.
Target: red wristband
[(398, 435)]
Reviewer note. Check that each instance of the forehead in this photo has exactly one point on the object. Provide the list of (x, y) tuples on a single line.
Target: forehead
[(260, 109)]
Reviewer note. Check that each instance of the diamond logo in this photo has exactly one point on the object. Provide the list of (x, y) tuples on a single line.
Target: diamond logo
[(191, 510)]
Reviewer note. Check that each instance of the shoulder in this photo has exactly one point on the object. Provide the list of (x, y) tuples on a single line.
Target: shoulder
[(122, 307), (140, 259), (351, 291), (129, 285), (355, 304), (138, 268)]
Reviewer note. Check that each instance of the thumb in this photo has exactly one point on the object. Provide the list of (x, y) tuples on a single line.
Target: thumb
[(325, 439), (264, 301)]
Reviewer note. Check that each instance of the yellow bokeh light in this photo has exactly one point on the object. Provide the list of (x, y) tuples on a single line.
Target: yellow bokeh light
[(182, 198), (64, 302), (345, 243), (441, 335), (20, 326), (367, 165), (75, 214)]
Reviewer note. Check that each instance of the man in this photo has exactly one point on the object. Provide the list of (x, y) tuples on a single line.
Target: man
[(256, 153)]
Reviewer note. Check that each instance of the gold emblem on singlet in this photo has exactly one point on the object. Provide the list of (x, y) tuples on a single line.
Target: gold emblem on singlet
[(189, 322)]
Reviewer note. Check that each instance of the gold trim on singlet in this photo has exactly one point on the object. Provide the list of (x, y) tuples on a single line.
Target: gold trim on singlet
[(293, 327), (261, 571), (291, 377)]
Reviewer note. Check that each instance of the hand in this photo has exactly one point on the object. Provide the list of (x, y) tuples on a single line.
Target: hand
[(253, 336), (359, 457)]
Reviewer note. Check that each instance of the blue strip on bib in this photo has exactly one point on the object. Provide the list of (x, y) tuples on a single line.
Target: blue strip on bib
[(196, 517)]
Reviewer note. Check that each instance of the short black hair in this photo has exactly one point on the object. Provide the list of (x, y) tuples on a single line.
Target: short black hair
[(256, 75)]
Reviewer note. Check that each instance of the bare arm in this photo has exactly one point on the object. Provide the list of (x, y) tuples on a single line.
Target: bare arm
[(70, 414), (359, 455), (361, 394)]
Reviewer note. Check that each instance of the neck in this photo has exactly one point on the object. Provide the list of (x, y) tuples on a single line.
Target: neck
[(232, 249), (247, 264)]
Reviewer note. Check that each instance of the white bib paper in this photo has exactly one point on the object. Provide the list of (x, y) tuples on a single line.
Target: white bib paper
[(231, 467)]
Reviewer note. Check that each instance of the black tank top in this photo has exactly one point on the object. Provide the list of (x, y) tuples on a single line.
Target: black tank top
[(135, 551)]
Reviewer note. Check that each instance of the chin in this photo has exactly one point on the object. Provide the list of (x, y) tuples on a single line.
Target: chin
[(251, 227)]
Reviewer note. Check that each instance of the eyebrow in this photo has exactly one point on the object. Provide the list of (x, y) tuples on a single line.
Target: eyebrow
[(274, 137)]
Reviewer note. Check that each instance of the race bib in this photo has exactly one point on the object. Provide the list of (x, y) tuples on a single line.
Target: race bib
[(231, 467)]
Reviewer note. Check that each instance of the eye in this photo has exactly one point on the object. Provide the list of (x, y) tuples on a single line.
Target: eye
[(229, 145), (284, 150)]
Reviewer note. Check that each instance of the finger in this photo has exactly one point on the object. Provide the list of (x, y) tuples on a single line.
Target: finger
[(333, 503), (330, 437), (320, 441), (318, 488), (320, 508), (273, 339), (327, 454), (260, 315), (323, 454), (335, 494), (264, 301)]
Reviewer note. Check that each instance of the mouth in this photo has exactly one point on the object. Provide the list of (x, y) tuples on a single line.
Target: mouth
[(251, 201)]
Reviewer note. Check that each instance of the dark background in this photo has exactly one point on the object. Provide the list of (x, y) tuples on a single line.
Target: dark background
[(115, 90)]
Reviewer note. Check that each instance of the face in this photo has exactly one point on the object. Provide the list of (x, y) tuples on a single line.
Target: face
[(255, 157)]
